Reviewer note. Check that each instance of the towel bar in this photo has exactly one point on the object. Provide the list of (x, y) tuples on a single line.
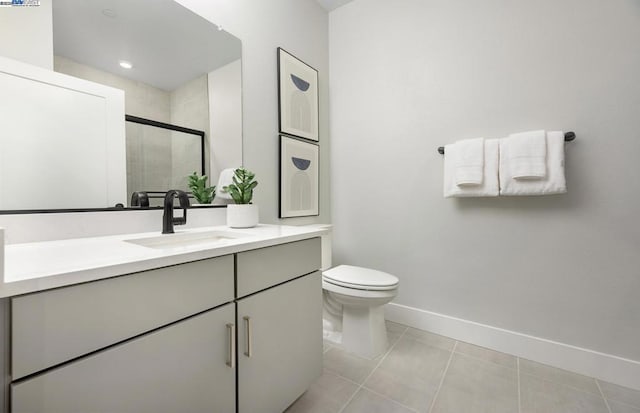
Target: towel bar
[(568, 137)]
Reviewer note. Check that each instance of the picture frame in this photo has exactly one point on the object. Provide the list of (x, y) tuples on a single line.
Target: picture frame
[(299, 178), (297, 97)]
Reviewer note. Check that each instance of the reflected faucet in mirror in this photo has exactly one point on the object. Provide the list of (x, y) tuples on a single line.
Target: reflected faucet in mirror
[(140, 199), (168, 221)]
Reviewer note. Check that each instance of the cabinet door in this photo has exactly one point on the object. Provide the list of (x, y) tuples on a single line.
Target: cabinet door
[(180, 368), (279, 345), (53, 327)]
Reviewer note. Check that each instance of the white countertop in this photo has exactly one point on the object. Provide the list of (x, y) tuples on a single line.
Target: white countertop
[(38, 266)]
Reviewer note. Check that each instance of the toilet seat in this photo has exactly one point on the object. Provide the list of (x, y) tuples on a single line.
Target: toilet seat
[(358, 278)]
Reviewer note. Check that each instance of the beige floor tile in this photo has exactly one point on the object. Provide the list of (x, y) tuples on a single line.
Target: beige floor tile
[(541, 396), (618, 407), (434, 340), (620, 394), (410, 373), (327, 395), (350, 366), (368, 402), (505, 360), (474, 385), (559, 376)]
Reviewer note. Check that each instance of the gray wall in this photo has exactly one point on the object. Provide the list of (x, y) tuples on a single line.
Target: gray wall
[(410, 77), (301, 27)]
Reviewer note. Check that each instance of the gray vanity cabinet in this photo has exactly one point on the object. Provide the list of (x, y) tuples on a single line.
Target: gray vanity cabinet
[(178, 368), (279, 344), (241, 331), (279, 299)]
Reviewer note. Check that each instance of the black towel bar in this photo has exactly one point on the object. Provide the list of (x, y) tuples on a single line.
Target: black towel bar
[(568, 137)]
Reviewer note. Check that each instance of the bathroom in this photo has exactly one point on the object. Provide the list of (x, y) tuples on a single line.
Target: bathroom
[(550, 280)]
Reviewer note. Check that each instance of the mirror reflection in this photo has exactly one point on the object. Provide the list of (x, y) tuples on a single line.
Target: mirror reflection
[(175, 67)]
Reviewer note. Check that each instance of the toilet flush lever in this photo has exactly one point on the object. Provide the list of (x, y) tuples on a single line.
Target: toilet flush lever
[(247, 325)]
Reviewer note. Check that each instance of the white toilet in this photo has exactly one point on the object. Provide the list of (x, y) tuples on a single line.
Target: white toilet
[(353, 304)]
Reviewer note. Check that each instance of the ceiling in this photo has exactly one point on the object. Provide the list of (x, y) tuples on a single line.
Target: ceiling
[(333, 4), (167, 44)]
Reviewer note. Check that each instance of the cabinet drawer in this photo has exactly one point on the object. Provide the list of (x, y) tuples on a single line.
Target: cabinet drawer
[(179, 368), (262, 268), (54, 326)]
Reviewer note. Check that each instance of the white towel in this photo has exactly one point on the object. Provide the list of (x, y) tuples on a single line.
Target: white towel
[(527, 154), (470, 161), (225, 179), (553, 183), (489, 186)]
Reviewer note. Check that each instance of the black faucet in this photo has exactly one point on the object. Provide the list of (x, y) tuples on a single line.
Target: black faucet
[(168, 221)]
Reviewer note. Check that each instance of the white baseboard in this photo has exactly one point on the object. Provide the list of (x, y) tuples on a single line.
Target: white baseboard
[(591, 363)]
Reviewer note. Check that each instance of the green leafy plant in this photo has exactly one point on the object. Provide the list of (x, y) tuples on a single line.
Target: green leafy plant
[(198, 186), (241, 189)]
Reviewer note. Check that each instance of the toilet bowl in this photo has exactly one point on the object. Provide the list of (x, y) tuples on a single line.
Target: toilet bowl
[(358, 323), (354, 299)]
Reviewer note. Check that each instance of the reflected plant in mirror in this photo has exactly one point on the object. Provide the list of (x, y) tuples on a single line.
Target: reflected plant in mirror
[(201, 192)]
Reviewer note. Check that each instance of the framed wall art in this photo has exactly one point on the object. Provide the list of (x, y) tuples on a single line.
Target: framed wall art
[(297, 97), (299, 178)]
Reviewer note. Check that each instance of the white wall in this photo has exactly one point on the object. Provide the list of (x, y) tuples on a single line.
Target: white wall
[(299, 26), (410, 77), (27, 34)]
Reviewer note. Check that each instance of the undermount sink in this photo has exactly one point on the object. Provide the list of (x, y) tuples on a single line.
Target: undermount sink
[(186, 239)]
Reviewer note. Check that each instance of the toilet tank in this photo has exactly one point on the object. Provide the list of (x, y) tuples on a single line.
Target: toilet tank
[(325, 245)]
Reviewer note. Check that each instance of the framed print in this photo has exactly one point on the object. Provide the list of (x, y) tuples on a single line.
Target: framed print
[(297, 97), (299, 178)]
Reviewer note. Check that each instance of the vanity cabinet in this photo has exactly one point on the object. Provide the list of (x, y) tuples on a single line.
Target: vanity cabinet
[(239, 332), (280, 328), (279, 344), (178, 368)]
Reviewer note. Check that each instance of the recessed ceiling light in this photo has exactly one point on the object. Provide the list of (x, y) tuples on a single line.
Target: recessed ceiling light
[(219, 28), (126, 65), (109, 13)]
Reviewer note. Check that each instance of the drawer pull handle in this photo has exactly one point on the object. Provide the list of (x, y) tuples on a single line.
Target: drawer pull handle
[(231, 328), (247, 323)]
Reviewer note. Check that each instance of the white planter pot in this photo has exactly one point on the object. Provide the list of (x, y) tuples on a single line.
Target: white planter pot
[(242, 215)]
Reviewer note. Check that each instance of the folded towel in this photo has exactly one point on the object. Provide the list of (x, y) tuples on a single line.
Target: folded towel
[(553, 183), (527, 155), (225, 179), (470, 161), (489, 186)]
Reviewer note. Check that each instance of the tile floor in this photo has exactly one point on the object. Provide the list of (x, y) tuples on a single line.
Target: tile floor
[(424, 372)]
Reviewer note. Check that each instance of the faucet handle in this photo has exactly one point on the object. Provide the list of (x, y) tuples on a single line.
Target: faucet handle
[(181, 220)]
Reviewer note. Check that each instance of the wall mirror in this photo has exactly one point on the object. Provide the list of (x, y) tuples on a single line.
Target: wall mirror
[(175, 68)]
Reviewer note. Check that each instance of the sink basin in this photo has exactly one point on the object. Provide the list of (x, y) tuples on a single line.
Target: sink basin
[(186, 239)]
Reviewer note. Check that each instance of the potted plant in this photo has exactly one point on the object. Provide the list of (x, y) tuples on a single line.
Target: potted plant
[(242, 214), (201, 192)]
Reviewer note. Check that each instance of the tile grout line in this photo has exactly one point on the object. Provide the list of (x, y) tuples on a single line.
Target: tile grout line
[(602, 394), (559, 383), (486, 360), (519, 397), (360, 386), (446, 369)]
